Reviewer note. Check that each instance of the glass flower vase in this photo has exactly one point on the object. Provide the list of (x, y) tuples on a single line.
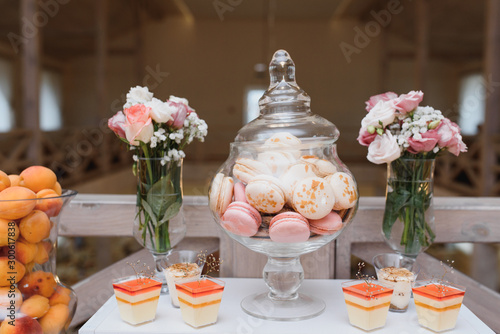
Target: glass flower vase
[(159, 221), (408, 224)]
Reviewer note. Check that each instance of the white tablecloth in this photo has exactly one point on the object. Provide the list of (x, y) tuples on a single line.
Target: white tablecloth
[(232, 319)]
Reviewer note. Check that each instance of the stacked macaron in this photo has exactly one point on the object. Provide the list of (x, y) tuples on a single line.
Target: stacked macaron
[(284, 194)]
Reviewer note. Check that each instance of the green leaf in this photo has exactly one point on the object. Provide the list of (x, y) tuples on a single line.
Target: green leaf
[(394, 205), (150, 212), (165, 200)]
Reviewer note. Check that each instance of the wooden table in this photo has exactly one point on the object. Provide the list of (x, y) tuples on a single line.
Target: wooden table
[(232, 319)]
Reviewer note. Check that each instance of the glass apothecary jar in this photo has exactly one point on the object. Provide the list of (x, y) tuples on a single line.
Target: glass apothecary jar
[(284, 192)]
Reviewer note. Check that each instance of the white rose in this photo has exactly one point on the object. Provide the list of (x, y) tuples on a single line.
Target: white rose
[(383, 149), (178, 100), (160, 111), (138, 95), (383, 111)]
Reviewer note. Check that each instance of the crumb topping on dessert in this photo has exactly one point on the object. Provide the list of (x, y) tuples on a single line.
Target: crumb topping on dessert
[(394, 274), (186, 269)]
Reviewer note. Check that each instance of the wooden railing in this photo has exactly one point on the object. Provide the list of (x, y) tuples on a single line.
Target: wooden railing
[(75, 155), (458, 219)]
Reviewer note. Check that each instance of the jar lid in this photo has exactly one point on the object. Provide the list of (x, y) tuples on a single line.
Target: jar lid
[(285, 107)]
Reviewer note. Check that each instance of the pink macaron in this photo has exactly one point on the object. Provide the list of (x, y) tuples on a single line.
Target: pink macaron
[(241, 219), (239, 192), (329, 224), (288, 227)]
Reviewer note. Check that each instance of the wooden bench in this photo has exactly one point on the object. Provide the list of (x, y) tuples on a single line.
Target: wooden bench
[(458, 219)]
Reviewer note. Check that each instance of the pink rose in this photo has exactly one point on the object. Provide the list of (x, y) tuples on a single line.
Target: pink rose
[(182, 110), (425, 144), (381, 97), (117, 123), (383, 149), (138, 125), (407, 102), (365, 138), (450, 137)]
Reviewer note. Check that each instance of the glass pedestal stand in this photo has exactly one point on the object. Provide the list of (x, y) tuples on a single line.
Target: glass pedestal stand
[(283, 276)]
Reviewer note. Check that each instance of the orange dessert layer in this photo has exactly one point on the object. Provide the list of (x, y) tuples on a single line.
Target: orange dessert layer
[(217, 301), (200, 288), (139, 302), (368, 308), (367, 292), (438, 309), (137, 286), (438, 292)]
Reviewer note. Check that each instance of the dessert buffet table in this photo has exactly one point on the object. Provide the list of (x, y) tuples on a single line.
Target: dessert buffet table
[(232, 319)]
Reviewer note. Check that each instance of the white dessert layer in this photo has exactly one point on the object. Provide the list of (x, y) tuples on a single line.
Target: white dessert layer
[(402, 292), (199, 316), (437, 320), (367, 320), (201, 299), (138, 313), (138, 297), (438, 303), (372, 302)]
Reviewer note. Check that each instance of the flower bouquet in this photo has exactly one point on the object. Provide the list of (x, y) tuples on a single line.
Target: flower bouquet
[(408, 138), (157, 132)]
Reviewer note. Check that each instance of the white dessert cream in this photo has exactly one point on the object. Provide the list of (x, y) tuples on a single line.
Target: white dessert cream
[(180, 273), (401, 280)]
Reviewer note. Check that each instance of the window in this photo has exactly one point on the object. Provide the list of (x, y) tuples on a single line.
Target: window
[(471, 103), (251, 108), (50, 101), (6, 111)]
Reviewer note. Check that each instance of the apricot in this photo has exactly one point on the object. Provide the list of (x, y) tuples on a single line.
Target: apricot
[(16, 202), (48, 202), (9, 232), (58, 189), (38, 282), (35, 306), (61, 296), (37, 178), (4, 181), (25, 251), (6, 296), (10, 269), (42, 255), (14, 180), (21, 325), (55, 319), (35, 226)]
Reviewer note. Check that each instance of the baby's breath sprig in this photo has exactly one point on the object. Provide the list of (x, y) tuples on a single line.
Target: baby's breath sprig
[(368, 279), (144, 272), (212, 264)]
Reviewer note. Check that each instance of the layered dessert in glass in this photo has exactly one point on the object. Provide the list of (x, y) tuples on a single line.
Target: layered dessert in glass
[(400, 273), (200, 300), (438, 304), (137, 298), (180, 273), (367, 303)]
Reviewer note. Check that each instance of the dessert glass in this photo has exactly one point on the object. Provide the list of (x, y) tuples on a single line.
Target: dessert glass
[(286, 134), (137, 298), (200, 300), (181, 267), (438, 304), (284, 113), (367, 303), (399, 272)]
